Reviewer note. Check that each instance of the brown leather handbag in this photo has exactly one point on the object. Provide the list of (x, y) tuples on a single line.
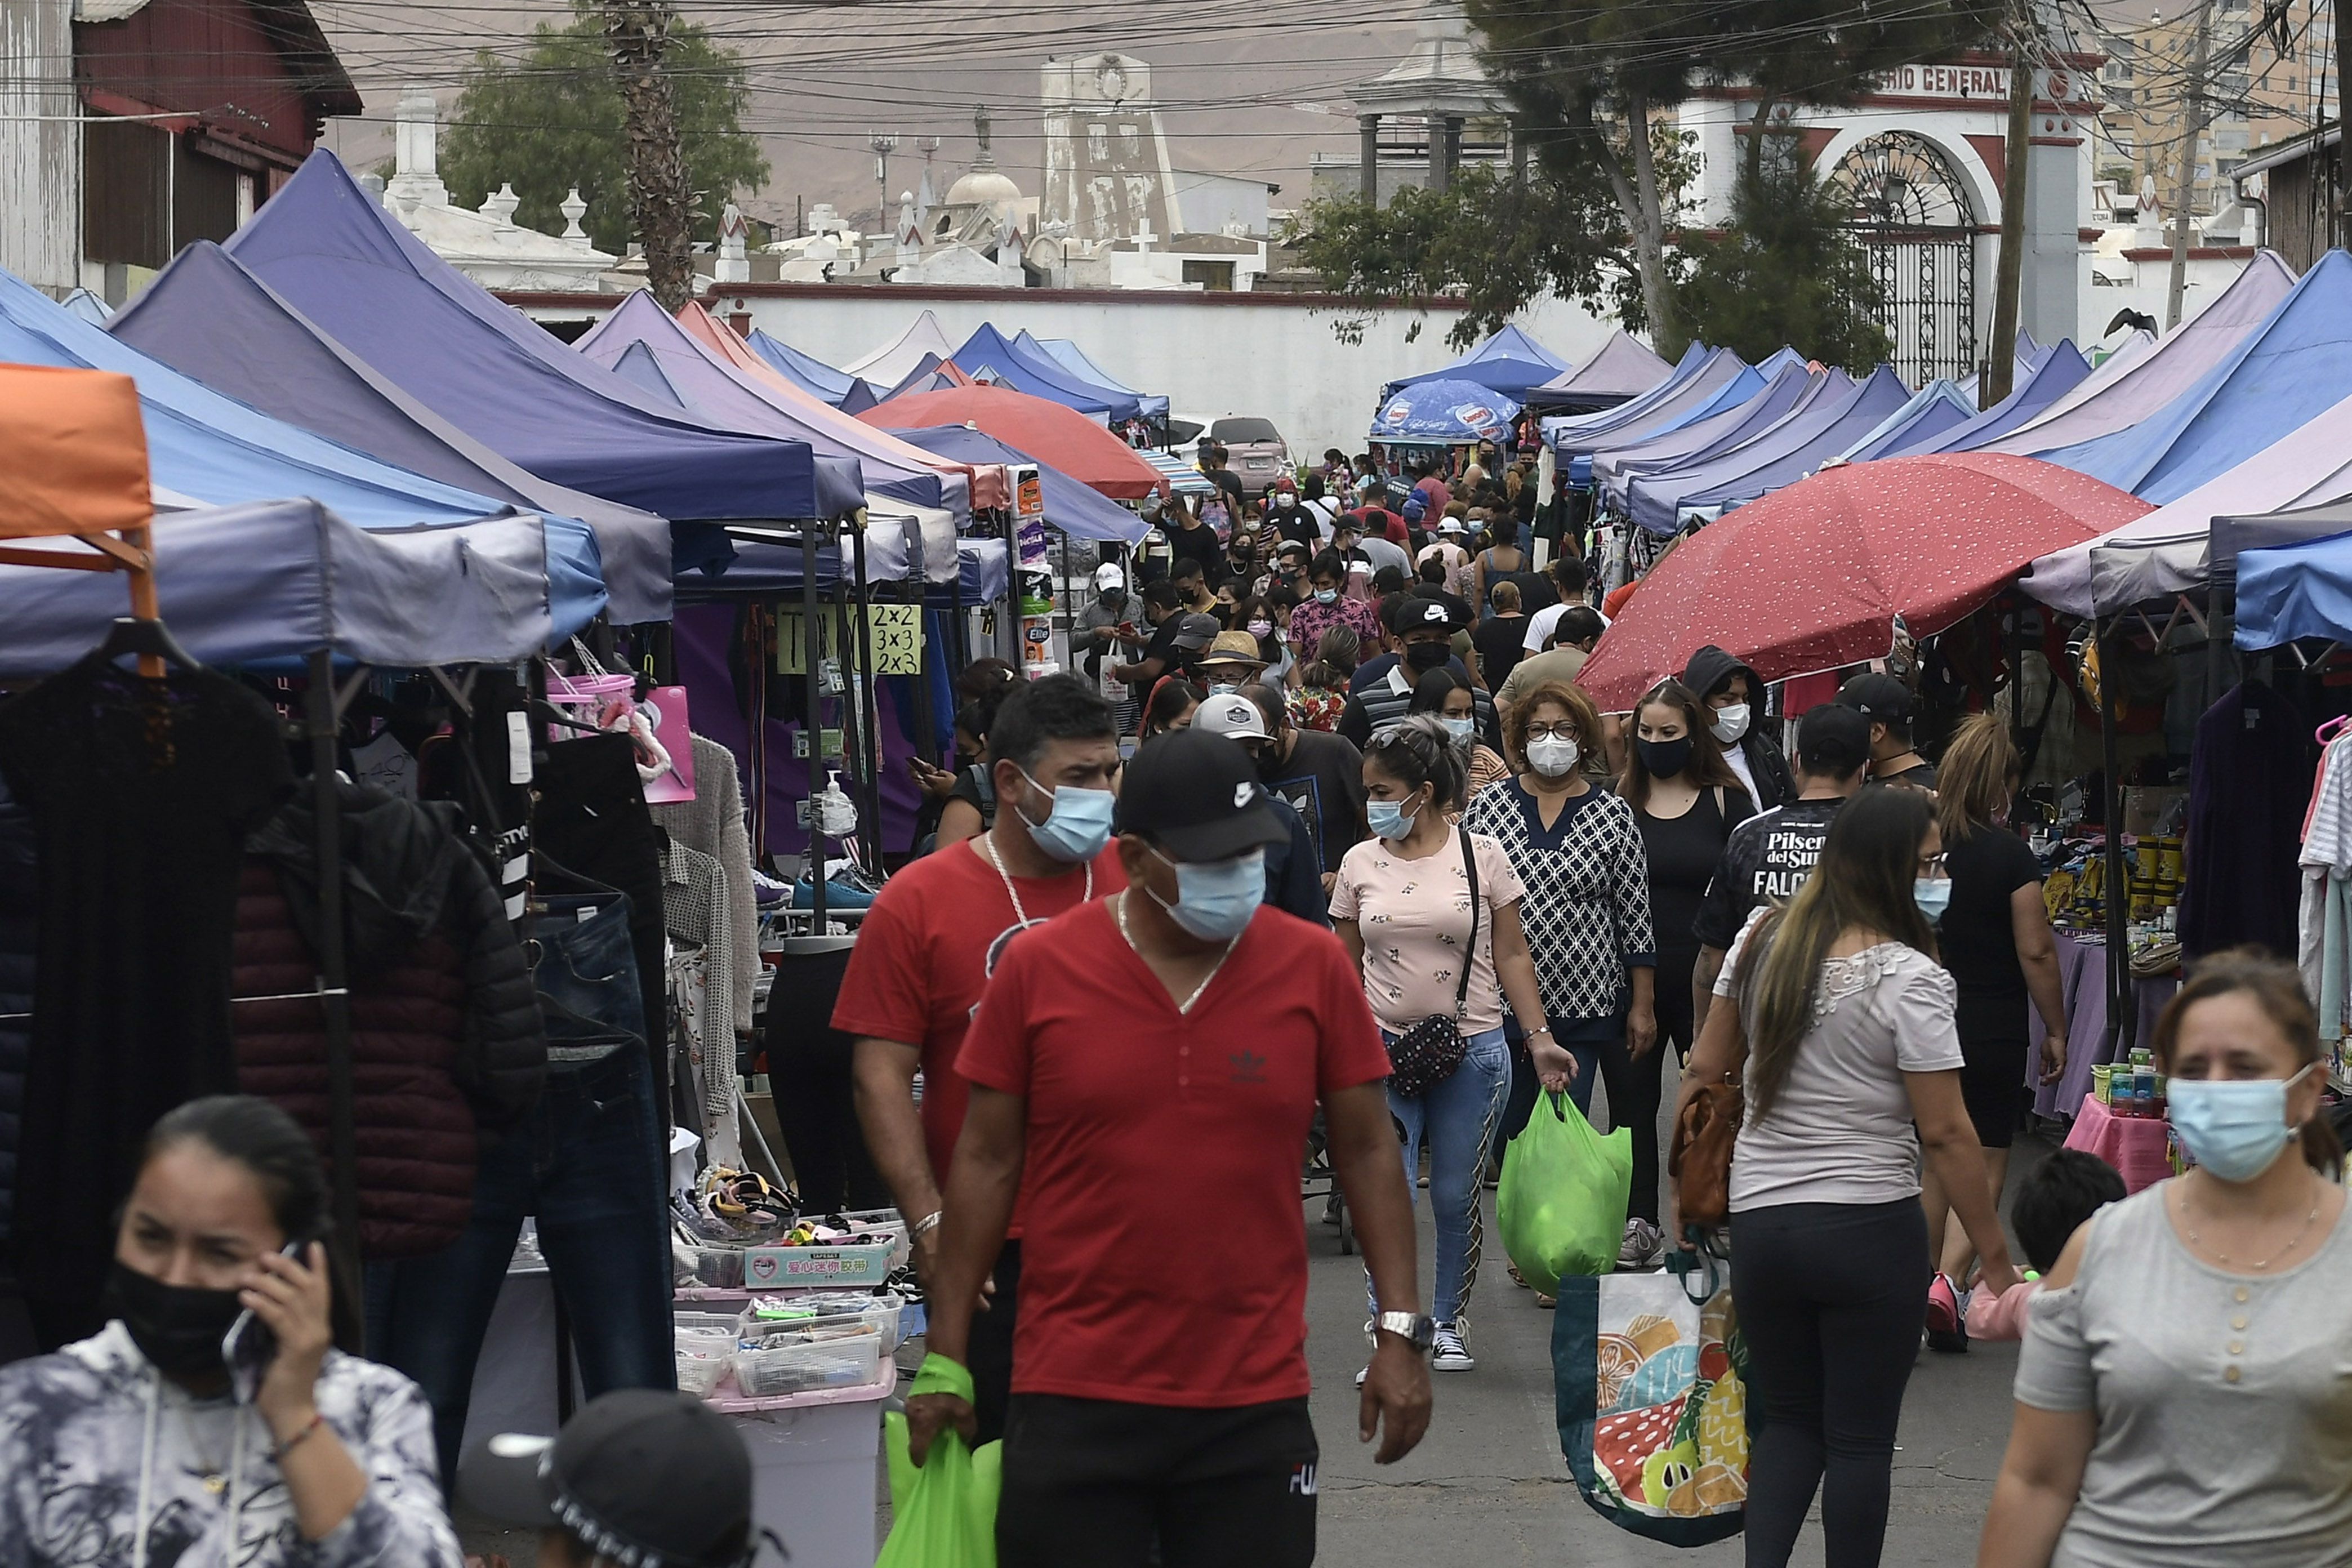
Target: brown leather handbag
[(1700, 1159)]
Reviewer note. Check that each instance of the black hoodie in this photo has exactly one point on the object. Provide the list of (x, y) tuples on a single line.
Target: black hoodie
[(1707, 670)]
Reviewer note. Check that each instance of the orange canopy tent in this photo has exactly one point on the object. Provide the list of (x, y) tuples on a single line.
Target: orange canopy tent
[(73, 464), (1046, 431)]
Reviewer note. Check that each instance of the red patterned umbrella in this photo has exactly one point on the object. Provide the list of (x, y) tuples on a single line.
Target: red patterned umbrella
[(1812, 577)]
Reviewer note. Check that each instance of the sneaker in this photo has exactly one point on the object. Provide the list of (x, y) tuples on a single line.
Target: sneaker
[(1361, 1374), (1947, 1330), (1641, 1246), (1449, 1353)]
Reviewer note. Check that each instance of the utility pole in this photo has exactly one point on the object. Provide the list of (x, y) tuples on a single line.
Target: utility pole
[(2009, 279), (661, 198), (2185, 188), (883, 143)]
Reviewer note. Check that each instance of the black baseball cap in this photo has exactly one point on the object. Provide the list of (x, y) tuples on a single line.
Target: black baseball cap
[(1197, 796), (645, 1476), (1832, 741), (1196, 631), (1882, 697)]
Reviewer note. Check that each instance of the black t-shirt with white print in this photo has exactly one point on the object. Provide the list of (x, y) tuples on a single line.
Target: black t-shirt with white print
[(1766, 860)]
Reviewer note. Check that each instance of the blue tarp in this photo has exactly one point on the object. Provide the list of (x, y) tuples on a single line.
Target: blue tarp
[(1509, 361), (2290, 590), (218, 451), (812, 375), (2294, 366), (716, 390), (338, 257), (208, 317), (1445, 413), (1616, 465), (989, 356), (271, 582), (1078, 509), (2057, 371), (1657, 500), (1791, 454), (1933, 409), (1072, 358)]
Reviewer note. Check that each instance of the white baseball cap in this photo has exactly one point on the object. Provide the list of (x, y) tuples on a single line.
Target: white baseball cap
[(1234, 716), (1110, 575)]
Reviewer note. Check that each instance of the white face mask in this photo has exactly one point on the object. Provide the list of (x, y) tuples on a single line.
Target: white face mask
[(1730, 723), (1551, 756)]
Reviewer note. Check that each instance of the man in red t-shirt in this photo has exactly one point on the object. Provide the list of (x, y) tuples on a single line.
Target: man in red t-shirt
[(936, 932), (1144, 1074)]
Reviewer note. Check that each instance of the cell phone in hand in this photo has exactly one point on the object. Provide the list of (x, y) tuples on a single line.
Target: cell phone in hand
[(250, 1347)]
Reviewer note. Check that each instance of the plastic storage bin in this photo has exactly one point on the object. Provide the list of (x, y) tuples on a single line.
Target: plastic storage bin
[(700, 1369), (779, 1364)]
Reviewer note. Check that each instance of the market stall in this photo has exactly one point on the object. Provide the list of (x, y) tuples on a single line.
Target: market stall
[(1621, 369), (1746, 406), (1509, 361), (1691, 392)]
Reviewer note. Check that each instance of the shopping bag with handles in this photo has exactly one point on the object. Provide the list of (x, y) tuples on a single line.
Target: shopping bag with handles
[(1649, 1374)]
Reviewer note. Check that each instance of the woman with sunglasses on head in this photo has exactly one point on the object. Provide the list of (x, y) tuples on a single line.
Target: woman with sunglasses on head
[(1841, 1030), (145, 1445), (2182, 1396), (1574, 845), (1685, 802)]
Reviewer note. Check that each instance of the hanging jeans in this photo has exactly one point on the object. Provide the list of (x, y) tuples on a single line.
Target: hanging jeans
[(1456, 1120), (588, 1162)]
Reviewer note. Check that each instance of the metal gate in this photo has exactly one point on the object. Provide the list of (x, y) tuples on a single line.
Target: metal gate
[(1912, 216)]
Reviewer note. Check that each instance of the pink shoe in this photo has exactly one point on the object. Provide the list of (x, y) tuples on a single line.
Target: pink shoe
[(1945, 1332)]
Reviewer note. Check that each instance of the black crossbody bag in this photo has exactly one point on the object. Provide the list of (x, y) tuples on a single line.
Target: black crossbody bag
[(1431, 1051)]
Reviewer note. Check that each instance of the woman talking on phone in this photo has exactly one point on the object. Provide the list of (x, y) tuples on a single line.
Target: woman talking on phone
[(151, 1443)]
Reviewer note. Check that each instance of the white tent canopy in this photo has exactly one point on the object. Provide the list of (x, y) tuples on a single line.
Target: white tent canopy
[(892, 362)]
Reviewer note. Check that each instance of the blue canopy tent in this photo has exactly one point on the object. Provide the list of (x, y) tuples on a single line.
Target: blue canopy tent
[(2290, 591), (1509, 362), (1691, 392), (2294, 366), (2059, 368), (1933, 409), (1078, 509), (1615, 465), (931, 373), (1862, 411), (1182, 478), (1680, 414), (812, 375), (989, 356), (1445, 414), (1657, 501), (269, 583), (218, 451), (643, 369), (1621, 369), (1072, 358), (208, 318), (333, 252)]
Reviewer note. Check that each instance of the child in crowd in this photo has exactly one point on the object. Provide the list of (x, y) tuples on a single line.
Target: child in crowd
[(2064, 1191)]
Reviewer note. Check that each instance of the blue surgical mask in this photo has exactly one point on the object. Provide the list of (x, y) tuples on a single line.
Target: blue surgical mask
[(1461, 728), (1216, 898), (1223, 688), (1388, 819), (1079, 825), (1933, 895), (1327, 595), (2235, 1127)]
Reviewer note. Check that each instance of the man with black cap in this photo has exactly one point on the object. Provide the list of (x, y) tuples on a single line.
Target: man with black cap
[(1145, 1071), (1768, 857), (1381, 690), (1888, 704), (646, 1477)]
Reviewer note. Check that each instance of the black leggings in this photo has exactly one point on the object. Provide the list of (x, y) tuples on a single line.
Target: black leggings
[(1832, 1298)]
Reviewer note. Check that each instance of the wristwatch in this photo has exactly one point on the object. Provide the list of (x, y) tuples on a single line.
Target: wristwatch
[(1416, 1329)]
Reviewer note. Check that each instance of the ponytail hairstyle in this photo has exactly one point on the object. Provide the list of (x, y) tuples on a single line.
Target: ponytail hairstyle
[(1418, 751), (248, 1131), (1864, 882), (1976, 778), (2276, 987)]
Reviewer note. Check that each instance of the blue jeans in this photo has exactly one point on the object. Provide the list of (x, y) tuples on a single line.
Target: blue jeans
[(1456, 1120), (588, 968), (587, 1163)]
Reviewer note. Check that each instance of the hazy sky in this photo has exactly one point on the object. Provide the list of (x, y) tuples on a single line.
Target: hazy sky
[(1245, 87)]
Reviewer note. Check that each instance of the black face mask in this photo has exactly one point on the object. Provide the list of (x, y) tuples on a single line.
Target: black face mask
[(1664, 759), (176, 1327), (1425, 657)]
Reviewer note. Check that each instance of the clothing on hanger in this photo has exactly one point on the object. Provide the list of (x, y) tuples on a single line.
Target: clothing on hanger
[(713, 823), (2246, 807)]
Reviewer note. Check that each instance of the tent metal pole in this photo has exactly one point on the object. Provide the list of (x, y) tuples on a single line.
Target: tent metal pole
[(812, 724), (869, 684), (2117, 1035), (334, 997)]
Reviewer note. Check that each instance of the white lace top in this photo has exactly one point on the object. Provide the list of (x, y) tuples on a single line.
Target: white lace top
[(1840, 1132)]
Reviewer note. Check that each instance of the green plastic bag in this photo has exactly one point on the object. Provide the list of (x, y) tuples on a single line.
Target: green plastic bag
[(1561, 1207), (942, 1515)]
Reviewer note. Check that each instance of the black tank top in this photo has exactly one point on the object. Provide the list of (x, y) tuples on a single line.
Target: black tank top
[(1683, 853)]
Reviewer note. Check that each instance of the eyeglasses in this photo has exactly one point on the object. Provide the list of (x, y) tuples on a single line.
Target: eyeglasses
[(1554, 732), (1934, 865)]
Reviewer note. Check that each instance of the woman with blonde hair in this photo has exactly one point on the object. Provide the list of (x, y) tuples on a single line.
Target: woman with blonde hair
[(1996, 941), (1841, 1032)]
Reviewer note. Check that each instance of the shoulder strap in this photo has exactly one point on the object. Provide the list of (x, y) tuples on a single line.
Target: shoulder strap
[(1470, 953)]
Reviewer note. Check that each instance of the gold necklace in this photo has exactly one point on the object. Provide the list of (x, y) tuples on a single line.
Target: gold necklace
[(2188, 1221), (1119, 909), (988, 849)]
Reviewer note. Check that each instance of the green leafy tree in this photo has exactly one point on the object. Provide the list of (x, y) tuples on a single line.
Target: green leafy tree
[(1786, 271), (556, 118)]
